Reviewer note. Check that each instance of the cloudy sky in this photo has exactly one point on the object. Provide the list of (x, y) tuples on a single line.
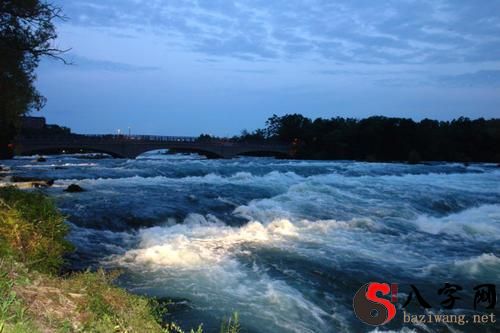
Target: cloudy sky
[(178, 67)]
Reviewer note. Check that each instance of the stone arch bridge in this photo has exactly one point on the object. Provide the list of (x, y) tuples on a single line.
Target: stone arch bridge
[(123, 146)]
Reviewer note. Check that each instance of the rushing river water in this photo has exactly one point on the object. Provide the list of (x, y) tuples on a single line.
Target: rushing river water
[(286, 244)]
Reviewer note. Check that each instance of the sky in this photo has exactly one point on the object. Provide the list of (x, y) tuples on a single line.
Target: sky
[(174, 67)]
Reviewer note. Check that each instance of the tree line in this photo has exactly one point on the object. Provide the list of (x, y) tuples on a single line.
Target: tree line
[(381, 138)]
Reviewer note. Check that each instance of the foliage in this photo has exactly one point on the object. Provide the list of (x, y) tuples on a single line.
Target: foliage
[(83, 302), (256, 136), (106, 308), (26, 33), (231, 325), (12, 312), (32, 230), (204, 138), (387, 139)]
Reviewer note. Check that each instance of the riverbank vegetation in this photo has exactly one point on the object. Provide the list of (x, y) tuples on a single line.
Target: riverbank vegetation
[(383, 138), (35, 297)]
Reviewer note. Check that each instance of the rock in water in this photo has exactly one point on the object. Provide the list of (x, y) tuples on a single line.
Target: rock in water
[(41, 159), (27, 182), (73, 188)]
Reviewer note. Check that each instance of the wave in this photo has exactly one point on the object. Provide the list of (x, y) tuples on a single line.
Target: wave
[(476, 268), (201, 240), (271, 178), (204, 258), (477, 222), (487, 265), (160, 156), (58, 165), (402, 330)]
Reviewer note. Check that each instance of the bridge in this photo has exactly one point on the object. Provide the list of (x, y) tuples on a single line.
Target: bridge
[(131, 146)]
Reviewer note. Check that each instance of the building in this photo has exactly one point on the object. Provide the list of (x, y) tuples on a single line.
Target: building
[(33, 122)]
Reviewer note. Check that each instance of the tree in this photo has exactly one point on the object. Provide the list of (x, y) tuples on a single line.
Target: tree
[(288, 127), (381, 138), (26, 34), (257, 136)]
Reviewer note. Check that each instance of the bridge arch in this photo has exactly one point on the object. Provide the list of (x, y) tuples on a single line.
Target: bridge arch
[(63, 149), (207, 153), (264, 153)]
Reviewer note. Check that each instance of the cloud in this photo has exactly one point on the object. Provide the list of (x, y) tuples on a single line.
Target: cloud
[(483, 78), (253, 71), (395, 31), (83, 63), (190, 65)]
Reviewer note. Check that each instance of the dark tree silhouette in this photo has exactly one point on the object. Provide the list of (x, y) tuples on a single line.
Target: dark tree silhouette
[(386, 139), (26, 34)]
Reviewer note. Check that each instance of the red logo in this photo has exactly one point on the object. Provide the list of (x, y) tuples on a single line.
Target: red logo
[(372, 309)]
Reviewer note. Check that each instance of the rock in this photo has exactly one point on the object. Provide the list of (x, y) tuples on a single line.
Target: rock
[(41, 159), (27, 182), (73, 188), (19, 179), (41, 184), (4, 171)]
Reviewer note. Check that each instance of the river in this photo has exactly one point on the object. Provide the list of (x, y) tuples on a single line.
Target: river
[(284, 243)]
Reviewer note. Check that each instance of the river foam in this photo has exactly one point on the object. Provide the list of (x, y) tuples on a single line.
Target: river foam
[(202, 257)]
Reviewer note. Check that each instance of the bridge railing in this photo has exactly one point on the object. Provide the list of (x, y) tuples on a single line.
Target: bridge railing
[(136, 138), (139, 137)]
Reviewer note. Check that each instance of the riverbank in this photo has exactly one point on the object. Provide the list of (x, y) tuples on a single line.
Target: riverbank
[(8, 179), (34, 297)]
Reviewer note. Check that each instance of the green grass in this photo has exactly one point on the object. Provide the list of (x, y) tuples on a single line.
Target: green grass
[(231, 325), (32, 230), (34, 298), (13, 317)]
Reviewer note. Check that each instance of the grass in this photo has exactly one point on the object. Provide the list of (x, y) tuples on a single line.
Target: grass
[(13, 317), (35, 298), (231, 325), (84, 302), (32, 230)]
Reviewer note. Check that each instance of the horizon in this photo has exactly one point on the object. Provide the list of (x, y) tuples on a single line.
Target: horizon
[(187, 68), (124, 131)]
